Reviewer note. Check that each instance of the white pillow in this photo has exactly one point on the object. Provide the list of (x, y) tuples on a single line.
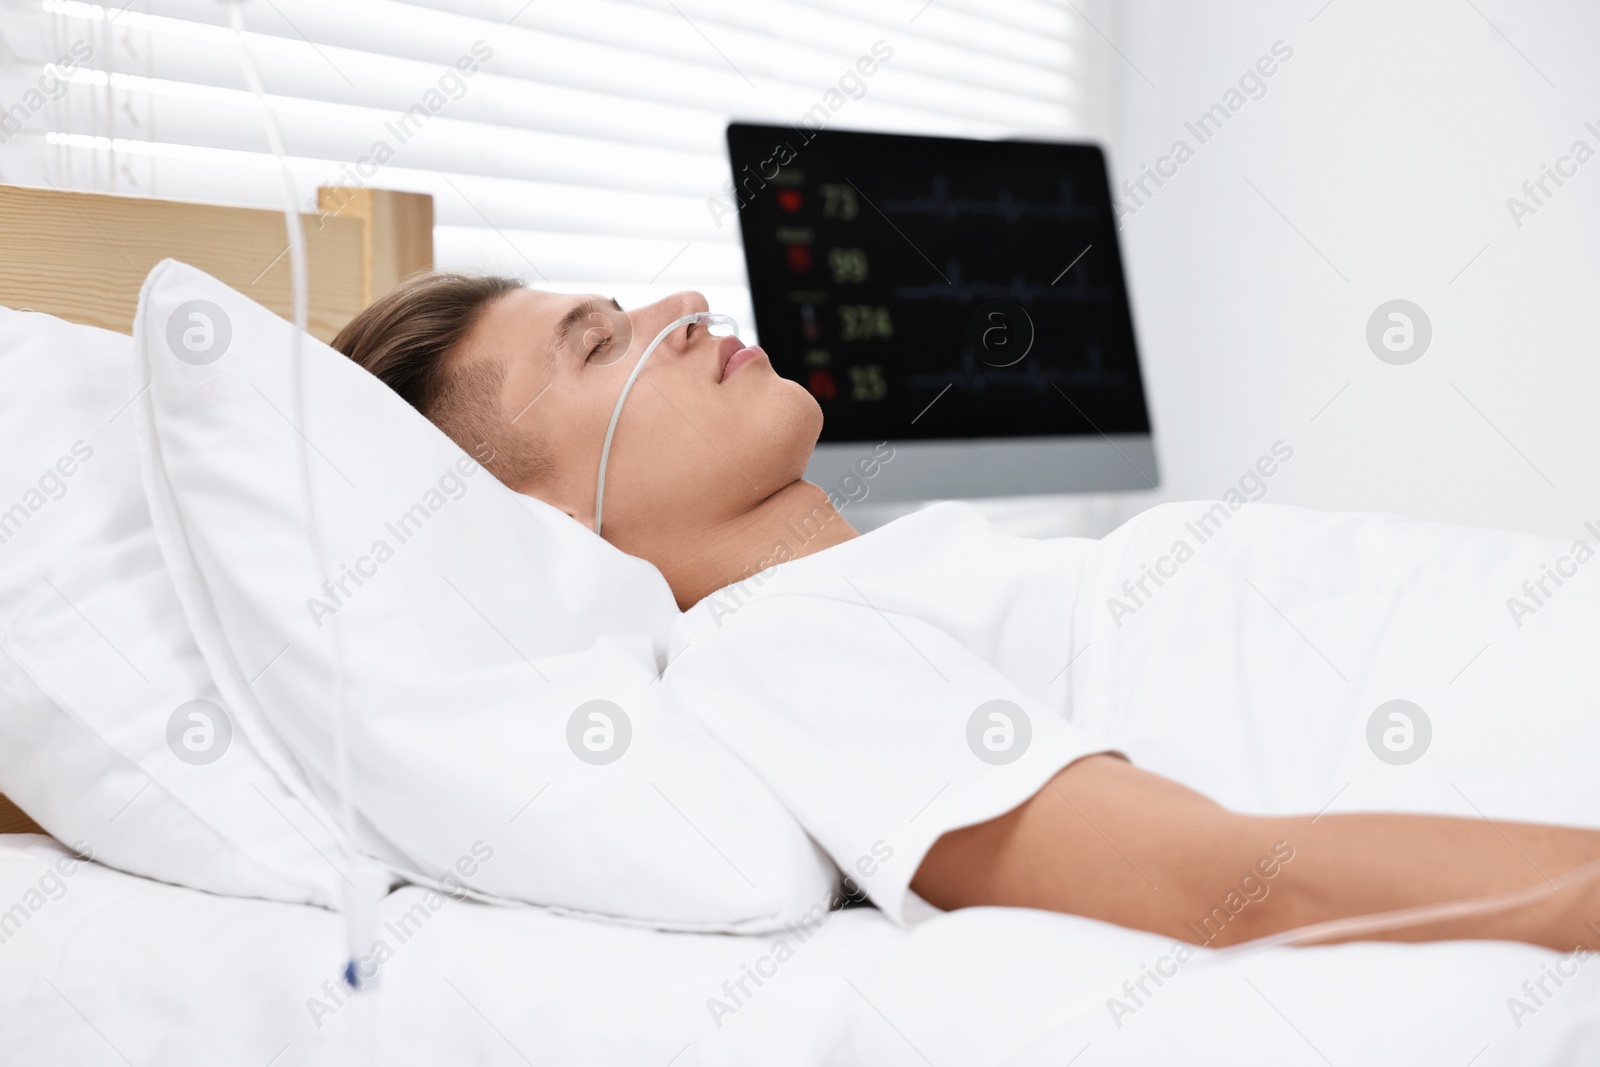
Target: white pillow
[(97, 665), (480, 626)]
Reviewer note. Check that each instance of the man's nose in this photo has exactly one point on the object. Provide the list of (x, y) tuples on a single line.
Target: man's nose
[(651, 319)]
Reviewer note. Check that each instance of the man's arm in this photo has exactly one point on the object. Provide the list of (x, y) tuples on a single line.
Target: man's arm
[(1107, 840)]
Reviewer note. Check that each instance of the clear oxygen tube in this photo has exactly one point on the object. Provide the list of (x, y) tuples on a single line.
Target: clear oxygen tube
[(711, 321), (362, 881), (1350, 928)]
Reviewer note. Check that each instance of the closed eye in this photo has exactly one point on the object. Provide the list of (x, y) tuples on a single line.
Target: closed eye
[(604, 325)]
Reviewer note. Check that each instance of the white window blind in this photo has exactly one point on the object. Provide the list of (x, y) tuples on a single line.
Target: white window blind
[(578, 145)]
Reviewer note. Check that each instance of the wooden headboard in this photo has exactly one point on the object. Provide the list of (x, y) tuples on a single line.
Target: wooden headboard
[(83, 257)]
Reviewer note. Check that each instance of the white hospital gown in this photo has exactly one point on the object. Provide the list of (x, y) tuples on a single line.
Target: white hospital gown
[(893, 688)]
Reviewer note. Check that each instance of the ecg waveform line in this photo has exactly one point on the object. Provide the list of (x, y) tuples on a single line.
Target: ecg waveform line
[(972, 373), (1004, 205), (1076, 290)]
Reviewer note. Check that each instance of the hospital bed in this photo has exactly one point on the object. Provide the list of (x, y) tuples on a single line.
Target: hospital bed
[(118, 968)]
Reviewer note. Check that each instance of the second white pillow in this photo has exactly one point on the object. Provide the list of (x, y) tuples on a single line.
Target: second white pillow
[(112, 735)]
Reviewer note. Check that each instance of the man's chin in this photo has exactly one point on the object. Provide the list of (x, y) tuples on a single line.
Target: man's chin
[(811, 413), (808, 428)]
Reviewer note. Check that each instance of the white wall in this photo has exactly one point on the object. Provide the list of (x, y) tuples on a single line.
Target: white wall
[(1390, 141)]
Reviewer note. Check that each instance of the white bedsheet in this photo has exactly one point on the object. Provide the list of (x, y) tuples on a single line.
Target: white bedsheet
[(982, 986), (1252, 671), (1251, 674), (121, 969), (118, 969)]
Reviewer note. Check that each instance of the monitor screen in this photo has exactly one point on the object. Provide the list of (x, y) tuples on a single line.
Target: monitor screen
[(934, 288)]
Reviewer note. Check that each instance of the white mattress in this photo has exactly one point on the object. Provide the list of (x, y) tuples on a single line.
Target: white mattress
[(120, 969)]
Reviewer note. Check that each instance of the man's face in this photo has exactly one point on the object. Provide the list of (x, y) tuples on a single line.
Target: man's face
[(700, 440)]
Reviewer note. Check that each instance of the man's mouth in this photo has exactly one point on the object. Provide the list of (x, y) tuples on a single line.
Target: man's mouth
[(733, 353)]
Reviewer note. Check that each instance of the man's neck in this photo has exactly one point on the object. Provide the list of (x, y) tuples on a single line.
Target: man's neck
[(795, 521)]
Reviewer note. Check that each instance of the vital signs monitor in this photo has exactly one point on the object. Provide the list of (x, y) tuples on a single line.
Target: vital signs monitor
[(963, 300)]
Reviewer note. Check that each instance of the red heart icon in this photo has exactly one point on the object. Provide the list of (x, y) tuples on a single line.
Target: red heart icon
[(789, 200)]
